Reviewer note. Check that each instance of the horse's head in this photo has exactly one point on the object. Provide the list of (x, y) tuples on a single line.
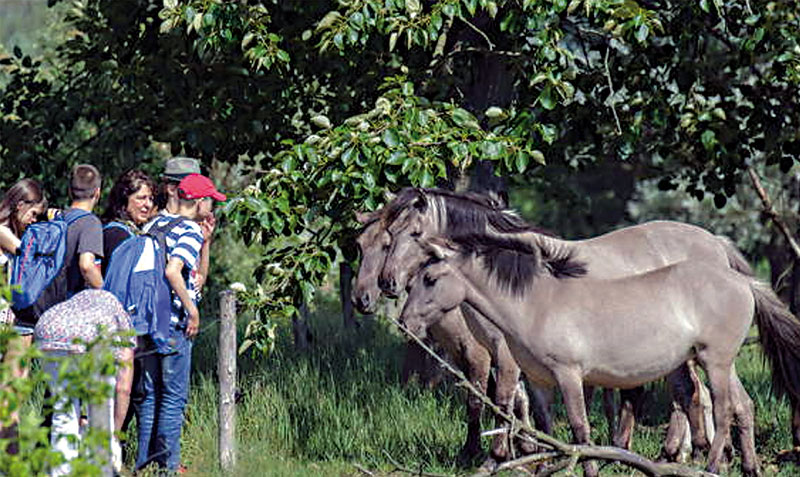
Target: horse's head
[(374, 243), (433, 290), (407, 225)]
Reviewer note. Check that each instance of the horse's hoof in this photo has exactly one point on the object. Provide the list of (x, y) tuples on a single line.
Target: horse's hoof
[(526, 447), (789, 455), (469, 455), (489, 465), (751, 472)]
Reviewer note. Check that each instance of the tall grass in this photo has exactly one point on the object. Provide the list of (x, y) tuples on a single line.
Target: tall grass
[(340, 405)]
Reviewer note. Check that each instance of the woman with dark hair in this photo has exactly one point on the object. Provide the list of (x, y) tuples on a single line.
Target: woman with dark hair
[(21, 206), (130, 205)]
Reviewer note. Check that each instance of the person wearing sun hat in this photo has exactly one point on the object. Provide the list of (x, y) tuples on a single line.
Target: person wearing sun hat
[(165, 376)]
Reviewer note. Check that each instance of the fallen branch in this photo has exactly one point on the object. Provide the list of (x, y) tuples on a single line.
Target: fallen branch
[(573, 453), (405, 470)]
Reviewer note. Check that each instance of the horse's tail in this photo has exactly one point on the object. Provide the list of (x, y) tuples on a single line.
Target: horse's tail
[(779, 334), (736, 259)]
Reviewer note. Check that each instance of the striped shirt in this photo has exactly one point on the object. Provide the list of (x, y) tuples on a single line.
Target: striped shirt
[(184, 241)]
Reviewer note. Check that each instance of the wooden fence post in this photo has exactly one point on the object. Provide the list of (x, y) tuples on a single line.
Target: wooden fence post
[(227, 380)]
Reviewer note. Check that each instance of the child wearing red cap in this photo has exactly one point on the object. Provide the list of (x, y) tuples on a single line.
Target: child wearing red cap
[(165, 376)]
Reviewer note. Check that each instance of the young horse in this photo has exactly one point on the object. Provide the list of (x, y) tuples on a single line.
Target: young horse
[(421, 213), (567, 329), (450, 331)]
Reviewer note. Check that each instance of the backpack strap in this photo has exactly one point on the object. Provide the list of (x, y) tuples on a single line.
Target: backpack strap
[(160, 233), (118, 225), (73, 216)]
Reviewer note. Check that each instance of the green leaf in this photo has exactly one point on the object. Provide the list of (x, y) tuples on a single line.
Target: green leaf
[(426, 179), (494, 112), (349, 155), (492, 150), (396, 158), (538, 156), (389, 137), (548, 132), (642, 32), (491, 7), (709, 139), (338, 40), (522, 162), (464, 118), (546, 98)]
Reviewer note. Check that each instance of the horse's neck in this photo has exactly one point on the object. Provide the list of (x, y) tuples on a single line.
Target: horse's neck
[(483, 293)]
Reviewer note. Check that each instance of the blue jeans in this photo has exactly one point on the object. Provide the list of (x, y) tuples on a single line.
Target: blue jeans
[(164, 390)]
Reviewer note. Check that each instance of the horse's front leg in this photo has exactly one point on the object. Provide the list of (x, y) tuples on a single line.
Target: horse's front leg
[(571, 386), (508, 374), (478, 365)]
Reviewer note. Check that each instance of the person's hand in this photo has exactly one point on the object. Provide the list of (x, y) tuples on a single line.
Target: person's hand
[(193, 326), (208, 225)]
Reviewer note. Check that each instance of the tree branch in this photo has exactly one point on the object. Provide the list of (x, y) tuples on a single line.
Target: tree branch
[(611, 94), (479, 32), (772, 214)]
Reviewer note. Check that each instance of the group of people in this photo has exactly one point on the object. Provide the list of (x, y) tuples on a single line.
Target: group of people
[(155, 381)]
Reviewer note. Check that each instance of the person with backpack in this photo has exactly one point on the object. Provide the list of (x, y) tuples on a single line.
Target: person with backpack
[(20, 207), (128, 208), (84, 235), (165, 371), (167, 200)]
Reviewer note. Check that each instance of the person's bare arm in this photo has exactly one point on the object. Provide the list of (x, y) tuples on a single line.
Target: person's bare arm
[(207, 226), (175, 279), (8, 241), (90, 271)]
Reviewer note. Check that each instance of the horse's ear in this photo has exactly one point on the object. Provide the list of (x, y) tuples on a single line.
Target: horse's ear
[(439, 247), (420, 202), (364, 218)]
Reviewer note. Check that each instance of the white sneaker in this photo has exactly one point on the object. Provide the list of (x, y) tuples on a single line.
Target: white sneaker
[(116, 455)]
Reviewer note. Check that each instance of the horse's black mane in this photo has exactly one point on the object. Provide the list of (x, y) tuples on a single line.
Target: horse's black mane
[(467, 212), (516, 263)]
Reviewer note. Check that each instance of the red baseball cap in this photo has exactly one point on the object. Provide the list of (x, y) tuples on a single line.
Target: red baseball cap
[(196, 186)]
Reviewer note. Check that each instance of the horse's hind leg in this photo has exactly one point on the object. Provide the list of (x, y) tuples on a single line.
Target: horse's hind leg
[(743, 410), (719, 377), (688, 412), (631, 401)]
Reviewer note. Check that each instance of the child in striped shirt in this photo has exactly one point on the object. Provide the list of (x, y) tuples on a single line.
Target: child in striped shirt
[(165, 376)]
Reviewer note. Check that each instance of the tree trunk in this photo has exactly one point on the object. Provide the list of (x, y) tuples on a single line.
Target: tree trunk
[(345, 289), (301, 330)]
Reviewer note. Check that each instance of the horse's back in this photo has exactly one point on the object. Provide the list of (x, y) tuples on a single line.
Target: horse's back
[(649, 246)]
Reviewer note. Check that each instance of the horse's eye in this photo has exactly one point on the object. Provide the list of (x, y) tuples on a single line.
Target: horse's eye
[(428, 280), (416, 234)]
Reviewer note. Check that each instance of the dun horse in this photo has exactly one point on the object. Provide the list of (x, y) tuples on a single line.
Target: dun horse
[(420, 213), (567, 329), (450, 331)]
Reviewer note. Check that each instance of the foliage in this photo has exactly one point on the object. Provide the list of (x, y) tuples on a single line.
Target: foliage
[(34, 455), (332, 103)]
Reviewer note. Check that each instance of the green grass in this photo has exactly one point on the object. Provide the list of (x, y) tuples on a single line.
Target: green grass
[(340, 406)]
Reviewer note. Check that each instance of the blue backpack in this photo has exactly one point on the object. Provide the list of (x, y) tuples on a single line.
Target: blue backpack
[(135, 275), (39, 274)]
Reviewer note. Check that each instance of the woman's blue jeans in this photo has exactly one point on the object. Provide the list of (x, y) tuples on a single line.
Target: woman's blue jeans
[(164, 390)]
